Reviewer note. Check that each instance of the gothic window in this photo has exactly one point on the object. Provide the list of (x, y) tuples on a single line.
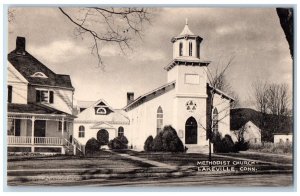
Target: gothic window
[(81, 131), (120, 131), (159, 118), (180, 49), (215, 125), (190, 49)]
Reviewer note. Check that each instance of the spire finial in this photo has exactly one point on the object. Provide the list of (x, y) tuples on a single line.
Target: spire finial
[(186, 21)]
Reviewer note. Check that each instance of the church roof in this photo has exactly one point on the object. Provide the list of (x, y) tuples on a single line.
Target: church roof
[(150, 95), (215, 90), (186, 61)]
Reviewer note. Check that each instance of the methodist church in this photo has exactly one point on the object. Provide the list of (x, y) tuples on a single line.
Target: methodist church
[(184, 102)]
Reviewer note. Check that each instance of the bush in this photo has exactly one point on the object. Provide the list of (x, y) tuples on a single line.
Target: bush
[(102, 137), (148, 146), (92, 146), (167, 141), (223, 145), (241, 145), (118, 143)]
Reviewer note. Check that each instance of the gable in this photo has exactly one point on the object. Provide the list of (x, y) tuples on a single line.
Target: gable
[(14, 75)]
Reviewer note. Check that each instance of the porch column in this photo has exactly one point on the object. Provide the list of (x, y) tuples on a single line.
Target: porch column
[(32, 133), (62, 127)]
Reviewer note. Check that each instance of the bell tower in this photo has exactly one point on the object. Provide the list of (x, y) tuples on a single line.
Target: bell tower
[(186, 45)]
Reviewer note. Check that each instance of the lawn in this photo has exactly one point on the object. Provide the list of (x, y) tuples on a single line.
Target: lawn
[(103, 159)]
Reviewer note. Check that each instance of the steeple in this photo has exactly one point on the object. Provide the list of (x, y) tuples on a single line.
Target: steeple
[(186, 30), (186, 45)]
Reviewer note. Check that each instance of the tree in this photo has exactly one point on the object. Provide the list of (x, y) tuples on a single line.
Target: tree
[(273, 102), (286, 18), (117, 26), (217, 81)]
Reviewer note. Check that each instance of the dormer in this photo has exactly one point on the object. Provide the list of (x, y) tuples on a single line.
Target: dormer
[(39, 75), (101, 108)]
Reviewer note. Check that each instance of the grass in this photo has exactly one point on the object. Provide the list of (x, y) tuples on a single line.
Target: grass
[(267, 147), (102, 159)]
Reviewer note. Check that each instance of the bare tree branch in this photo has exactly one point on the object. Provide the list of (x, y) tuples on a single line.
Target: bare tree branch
[(108, 25)]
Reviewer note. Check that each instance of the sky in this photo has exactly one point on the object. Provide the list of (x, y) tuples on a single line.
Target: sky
[(252, 36)]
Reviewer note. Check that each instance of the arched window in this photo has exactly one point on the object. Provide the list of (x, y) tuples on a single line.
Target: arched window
[(159, 117), (180, 49), (101, 111), (39, 75), (190, 49), (120, 131), (215, 121), (81, 131)]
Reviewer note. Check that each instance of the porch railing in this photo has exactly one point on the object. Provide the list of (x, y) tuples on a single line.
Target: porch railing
[(26, 140), (18, 140)]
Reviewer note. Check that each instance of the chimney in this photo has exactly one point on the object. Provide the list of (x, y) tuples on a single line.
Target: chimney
[(130, 97), (20, 45)]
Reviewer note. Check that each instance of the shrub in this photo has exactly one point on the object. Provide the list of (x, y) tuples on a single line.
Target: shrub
[(223, 145), (102, 137), (241, 145), (92, 146), (118, 143), (167, 141), (148, 146)]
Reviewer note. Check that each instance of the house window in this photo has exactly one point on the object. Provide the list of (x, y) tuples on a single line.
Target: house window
[(9, 94), (159, 118), (120, 131), (81, 131), (101, 111), (180, 49), (13, 127), (215, 121), (44, 96), (280, 141), (255, 140), (66, 127), (190, 49)]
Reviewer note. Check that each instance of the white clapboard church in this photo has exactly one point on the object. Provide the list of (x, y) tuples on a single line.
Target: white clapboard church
[(183, 102)]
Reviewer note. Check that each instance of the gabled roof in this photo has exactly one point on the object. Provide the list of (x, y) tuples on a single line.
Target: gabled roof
[(27, 66), (112, 117), (102, 125), (240, 116), (150, 95), (34, 108)]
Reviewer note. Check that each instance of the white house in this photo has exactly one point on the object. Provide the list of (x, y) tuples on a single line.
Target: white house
[(39, 105), (183, 102), (281, 138), (251, 133)]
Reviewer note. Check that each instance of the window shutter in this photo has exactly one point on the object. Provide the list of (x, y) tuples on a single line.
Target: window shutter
[(38, 96), (9, 96), (51, 98)]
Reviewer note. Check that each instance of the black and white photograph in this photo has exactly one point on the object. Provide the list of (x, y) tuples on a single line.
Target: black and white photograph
[(149, 96)]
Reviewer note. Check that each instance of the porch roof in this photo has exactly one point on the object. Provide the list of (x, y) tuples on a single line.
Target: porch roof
[(35, 109)]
